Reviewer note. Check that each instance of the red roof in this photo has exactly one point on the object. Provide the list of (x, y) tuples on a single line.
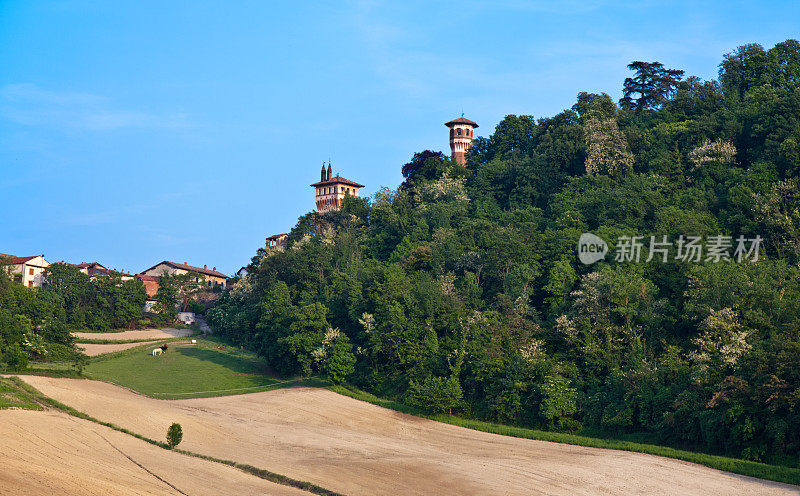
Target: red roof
[(276, 236), (338, 180), (18, 260), (188, 268), (460, 120), (144, 277)]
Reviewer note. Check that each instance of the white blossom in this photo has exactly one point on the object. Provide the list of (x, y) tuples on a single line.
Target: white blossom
[(533, 350), (718, 151)]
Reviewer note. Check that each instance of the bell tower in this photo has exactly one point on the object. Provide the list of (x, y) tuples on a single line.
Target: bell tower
[(461, 135)]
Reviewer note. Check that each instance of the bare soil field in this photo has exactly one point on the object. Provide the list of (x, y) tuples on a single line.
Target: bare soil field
[(357, 448), (50, 453), (99, 349), (138, 334)]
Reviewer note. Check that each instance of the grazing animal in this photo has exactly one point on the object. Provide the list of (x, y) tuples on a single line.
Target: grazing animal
[(164, 347), (157, 351)]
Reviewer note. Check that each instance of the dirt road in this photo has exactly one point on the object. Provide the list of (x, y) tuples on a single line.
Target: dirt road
[(360, 449), (139, 334), (99, 349), (50, 453)]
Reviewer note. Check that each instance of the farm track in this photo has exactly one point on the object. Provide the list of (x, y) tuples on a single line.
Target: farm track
[(360, 449)]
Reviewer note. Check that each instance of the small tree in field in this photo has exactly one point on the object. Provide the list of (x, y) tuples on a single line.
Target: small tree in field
[(174, 435)]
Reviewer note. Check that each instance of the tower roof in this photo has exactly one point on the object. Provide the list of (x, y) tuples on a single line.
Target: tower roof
[(461, 120), (339, 180)]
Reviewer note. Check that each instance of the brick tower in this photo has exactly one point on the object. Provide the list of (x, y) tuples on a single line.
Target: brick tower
[(461, 134)]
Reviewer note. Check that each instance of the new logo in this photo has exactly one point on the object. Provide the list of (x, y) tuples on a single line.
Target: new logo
[(591, 248)]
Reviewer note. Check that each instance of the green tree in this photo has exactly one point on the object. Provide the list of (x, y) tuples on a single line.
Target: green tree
[(174, 435), (651, 87), (559, 403)]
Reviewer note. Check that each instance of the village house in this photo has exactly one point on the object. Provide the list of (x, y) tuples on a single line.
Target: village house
[(212, 277), (29, 271), (277, 241), (95, 269), (330, 191)]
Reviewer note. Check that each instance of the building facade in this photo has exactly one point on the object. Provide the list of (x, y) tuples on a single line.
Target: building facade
[(462, 132), (212, 277), (28, 271), (331, 190)]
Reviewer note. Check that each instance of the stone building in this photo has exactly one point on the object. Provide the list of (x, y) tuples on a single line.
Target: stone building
[(330, 191), (461, 135)]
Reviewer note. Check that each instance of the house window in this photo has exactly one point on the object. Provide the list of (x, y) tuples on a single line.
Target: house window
[(30, 272), (458, 132)]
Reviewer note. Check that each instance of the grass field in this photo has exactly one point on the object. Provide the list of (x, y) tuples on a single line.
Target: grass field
[(14, 396), (207, 368)]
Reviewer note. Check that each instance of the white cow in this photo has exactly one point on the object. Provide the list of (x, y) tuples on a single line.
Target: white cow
[(157, 351)]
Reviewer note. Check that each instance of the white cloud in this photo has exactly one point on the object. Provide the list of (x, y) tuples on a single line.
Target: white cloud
[(29, 105)]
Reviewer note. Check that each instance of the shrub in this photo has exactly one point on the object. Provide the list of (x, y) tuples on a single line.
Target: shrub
[(57, 352), (435, 394), (16, 358)]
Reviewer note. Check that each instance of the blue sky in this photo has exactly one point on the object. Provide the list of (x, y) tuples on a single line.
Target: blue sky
[(135, 131)]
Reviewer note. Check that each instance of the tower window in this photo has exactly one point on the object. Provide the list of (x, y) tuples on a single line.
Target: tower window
[(458, 132)]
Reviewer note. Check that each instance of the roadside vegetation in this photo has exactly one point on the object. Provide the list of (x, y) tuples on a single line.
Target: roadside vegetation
[(12, 395)]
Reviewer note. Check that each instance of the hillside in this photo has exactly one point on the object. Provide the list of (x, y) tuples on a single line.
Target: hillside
[(460, 291)]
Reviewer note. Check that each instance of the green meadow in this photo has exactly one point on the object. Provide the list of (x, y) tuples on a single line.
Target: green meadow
[(185, 370)]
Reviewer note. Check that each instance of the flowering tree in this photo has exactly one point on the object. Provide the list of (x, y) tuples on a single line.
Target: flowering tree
[(607, 148)]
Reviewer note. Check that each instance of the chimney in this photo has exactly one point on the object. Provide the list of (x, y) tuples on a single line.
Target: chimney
[(214, 269), (322, 174), (205, 266), (330, 171), (185, 263)]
